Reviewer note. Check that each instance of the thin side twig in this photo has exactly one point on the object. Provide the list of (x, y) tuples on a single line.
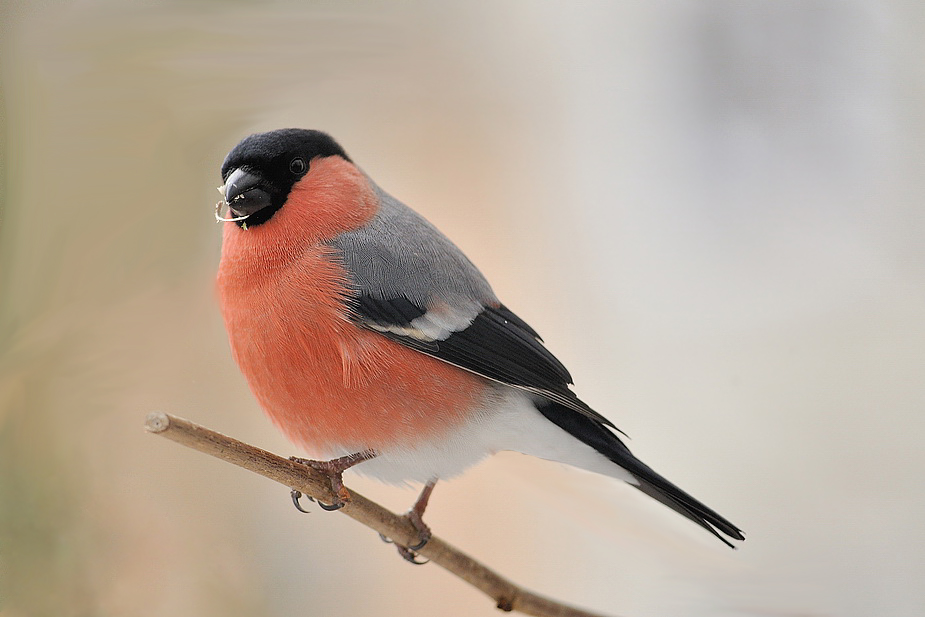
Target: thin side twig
[(507, 595)]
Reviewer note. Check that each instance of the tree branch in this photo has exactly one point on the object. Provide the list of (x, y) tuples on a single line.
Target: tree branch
[(507, 595)]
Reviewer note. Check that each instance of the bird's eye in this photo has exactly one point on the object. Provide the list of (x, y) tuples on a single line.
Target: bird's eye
[(297, 166)]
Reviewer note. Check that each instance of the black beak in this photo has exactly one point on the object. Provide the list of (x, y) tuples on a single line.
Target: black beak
[(243, 193)]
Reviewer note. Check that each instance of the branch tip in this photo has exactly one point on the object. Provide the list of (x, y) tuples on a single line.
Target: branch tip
[(157, 422)]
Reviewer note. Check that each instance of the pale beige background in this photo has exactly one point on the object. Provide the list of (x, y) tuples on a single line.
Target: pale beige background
[(713, 212)]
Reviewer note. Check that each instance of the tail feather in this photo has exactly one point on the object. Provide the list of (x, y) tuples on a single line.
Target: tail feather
[(693, 510), (597, 436)]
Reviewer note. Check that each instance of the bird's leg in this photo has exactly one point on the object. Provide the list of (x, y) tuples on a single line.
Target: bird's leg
[(416, 513), (415, 517), (334, 470)]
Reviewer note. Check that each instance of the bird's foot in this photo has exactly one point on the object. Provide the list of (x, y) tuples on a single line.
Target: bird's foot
[(409, 553), (334, 470), (415, 517)]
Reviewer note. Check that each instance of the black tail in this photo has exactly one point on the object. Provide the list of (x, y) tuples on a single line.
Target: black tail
[(652, 484)]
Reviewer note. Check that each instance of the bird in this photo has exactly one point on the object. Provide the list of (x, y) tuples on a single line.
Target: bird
[(374, 344)]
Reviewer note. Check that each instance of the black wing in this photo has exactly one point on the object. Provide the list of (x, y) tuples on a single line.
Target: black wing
[(497, 344)]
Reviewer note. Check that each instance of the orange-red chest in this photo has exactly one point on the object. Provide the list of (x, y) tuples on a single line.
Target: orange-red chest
[(328, 384)]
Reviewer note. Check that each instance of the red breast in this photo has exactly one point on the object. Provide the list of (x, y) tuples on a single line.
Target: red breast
[(328, 384)]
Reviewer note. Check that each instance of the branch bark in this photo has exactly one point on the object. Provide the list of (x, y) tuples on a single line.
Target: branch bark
[(507, 595)]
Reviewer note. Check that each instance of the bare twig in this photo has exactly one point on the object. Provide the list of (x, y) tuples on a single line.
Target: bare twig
[(507, 595)]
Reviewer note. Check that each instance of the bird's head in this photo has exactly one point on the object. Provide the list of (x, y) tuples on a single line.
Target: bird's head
[(259, 173)]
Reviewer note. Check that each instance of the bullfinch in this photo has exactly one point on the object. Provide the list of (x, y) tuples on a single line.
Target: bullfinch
[(372, 342)]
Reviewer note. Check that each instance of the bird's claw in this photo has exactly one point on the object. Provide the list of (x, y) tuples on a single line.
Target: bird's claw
[(297, 497), (330, 507), (409, 553), (422, 543), (415, 547), (296, 501), (410, 556)]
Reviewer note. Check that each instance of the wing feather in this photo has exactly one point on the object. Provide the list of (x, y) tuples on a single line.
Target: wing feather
[(496, 344)]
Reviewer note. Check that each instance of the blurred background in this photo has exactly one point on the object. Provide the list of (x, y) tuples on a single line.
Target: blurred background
[(712, 211)]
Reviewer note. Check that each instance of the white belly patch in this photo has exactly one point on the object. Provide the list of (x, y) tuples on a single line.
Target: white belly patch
[(508, 421)]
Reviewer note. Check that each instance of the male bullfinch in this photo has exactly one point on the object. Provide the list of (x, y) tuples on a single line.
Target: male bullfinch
[(371, 341)]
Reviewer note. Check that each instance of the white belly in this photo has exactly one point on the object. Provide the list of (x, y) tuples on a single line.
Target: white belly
[(508, 421)]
